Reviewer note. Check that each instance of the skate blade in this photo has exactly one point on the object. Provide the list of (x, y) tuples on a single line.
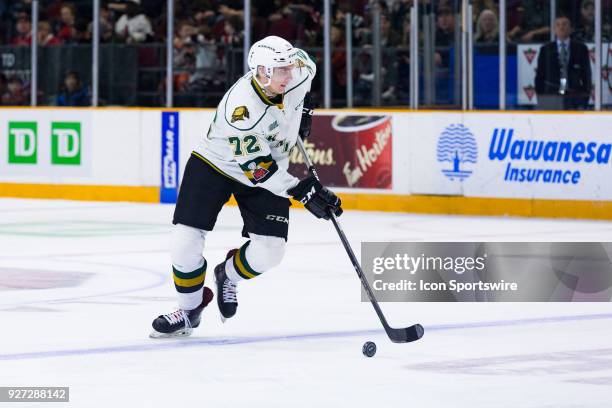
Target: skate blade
[(180, 333)]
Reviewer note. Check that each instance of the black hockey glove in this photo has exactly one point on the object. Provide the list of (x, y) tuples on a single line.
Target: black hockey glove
[(316, 198), (307, 111)]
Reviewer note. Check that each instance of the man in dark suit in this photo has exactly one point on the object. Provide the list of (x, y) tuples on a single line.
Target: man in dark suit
[(563, 78)]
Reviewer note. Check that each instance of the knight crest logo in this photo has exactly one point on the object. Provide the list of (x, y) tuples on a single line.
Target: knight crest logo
[(530, 54), (529, 91), (457, 145), (240, 113)]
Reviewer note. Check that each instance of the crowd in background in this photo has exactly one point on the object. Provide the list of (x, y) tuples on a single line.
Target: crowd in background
[(206, 29)]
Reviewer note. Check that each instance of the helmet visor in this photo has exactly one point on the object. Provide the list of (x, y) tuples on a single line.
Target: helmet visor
[(285, 73)]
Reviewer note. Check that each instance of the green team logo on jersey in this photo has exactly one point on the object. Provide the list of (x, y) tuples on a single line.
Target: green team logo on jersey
[(22, 142), (66, 143)]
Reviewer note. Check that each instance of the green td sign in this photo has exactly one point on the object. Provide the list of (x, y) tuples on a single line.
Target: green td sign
[(66, 143), (23, 142)]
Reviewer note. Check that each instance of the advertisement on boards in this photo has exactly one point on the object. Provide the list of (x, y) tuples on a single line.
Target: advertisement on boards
[(349, 151), (46, 144), (511, 156)]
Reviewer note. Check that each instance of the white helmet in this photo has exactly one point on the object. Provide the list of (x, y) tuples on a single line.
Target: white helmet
[(271, 52)]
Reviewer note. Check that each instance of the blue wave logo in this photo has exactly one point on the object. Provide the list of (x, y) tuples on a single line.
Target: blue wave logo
[(457, 145)]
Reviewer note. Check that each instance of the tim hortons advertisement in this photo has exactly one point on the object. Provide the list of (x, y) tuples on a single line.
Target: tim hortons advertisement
[(349, 151)]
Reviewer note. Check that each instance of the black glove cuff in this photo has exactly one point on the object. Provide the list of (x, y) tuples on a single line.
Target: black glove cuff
[(305, 190)]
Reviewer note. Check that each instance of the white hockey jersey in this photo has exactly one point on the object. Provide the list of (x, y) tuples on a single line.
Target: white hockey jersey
[(250, 137)]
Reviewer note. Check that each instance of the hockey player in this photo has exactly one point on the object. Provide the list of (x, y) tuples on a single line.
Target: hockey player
[(245, 153)]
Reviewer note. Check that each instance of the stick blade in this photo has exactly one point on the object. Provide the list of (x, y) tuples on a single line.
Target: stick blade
[(407, 334)]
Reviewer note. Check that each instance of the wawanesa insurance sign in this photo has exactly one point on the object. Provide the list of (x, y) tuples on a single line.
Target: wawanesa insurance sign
[(547, 156)]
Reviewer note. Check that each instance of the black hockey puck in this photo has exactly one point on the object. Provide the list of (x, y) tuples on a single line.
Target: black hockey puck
[(369, 348)]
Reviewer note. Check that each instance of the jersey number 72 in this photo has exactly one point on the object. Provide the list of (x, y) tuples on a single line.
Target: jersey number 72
[(248, 145)]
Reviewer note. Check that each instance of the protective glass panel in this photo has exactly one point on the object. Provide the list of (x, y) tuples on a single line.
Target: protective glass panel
[(486, 64), (440, 50)]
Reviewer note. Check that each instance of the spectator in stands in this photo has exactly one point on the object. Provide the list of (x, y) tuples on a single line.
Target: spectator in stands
[(362, 31), (67, 32), (478, 6), (184, 63), (389, 40), (207, 56), (308, 19), (16, 93), (106, 26), (23, 28), (194, 57), (399, 9), (304, 15), (133, 26), (563, 78), (445, 36), (73, 92), (232, 32), (445, 27), (185, 49), (535, 22), (282, 24), (388, 36), (487, 28), (231, 37), (586, 27), (45, 34), (405, 42)]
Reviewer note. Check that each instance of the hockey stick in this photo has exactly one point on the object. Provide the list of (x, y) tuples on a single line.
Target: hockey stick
[(403, 335)]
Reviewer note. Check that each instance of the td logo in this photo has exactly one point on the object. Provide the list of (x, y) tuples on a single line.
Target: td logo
[(66, 143), (22, 142)]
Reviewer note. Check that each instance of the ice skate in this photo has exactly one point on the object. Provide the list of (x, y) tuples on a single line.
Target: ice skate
[(226, 290), (181, 322)]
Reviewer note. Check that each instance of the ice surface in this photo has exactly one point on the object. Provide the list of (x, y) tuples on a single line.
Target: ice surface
[(81, 282)]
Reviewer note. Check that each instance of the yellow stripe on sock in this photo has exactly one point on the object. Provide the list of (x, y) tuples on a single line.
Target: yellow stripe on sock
[(188, 283), (241, 269)]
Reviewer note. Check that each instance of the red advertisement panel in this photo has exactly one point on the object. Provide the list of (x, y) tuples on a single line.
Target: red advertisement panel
[(349, 151)]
